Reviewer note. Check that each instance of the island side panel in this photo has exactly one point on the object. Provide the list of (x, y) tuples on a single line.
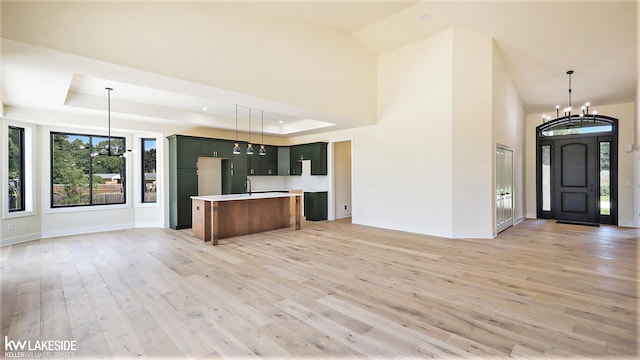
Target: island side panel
[(298, 212), (233, 218), (200, 215), (268, 214), (293, 204), (214, 222)]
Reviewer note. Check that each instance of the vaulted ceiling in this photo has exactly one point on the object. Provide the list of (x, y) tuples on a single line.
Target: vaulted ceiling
[(538, 42)]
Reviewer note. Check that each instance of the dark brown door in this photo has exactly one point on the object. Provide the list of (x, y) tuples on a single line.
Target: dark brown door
[(576, 180)]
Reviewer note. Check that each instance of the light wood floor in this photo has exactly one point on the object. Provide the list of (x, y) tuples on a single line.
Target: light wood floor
[(330, 290)]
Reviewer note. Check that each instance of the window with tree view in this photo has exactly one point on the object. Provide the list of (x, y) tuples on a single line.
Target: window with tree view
[(84, 173), (149, 176), (16, 169)]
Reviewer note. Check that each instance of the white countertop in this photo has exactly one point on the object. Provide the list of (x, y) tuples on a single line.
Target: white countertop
[(233, 197)]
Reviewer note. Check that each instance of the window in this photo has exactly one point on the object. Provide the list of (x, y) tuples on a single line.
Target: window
[(546, 178), (149, 171), (577, 126), (16, 170), (605, 178), (83, 173)]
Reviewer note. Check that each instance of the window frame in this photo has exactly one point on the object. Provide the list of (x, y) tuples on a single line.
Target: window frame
[(142, 170), (28, 169), (126, 165), (22, 167)]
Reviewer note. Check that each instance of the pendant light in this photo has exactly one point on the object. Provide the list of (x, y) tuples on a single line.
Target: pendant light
[(109, 117), (236, 146), (262, 151), (108, 150), (118, 148), (249, 146)]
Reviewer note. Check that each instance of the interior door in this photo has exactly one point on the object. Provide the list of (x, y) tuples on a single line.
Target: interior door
[(575, 180), (504, 188)]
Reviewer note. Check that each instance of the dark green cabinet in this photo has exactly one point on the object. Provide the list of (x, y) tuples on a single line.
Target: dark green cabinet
[(296, 155), (187, 150), (183, 179), (183, 173), (270, 164), (315, 206), (183, 168), (263, 164), (316, 152), (188, 187), (233, 179), (215, 148), (238, 181), (234, 170), (284, 159)]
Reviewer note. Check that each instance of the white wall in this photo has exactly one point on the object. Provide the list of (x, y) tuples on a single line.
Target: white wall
[(626, 115), (427, 166), (509, 130), (403, 165), (472, 147)]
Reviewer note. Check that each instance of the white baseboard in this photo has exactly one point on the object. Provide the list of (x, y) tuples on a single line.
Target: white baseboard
[(86, 230), (20, 239), (76, 231), (157, 224), (473, 235)]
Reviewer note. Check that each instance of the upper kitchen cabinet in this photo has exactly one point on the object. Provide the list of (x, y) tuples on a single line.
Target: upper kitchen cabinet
[(184, 151), (318, 155), (187, 149), (263, 164), (316, 152), (284, 160), (215, 148), (271, 163), (296, 155)]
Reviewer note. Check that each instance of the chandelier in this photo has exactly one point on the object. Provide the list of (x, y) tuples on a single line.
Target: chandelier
[(567, 110)]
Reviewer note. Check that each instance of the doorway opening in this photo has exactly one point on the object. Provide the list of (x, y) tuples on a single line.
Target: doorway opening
[(342, 179), (577, 170)]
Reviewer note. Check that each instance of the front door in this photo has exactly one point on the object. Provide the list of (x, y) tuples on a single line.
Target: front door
[(576, 180), (577, 169)]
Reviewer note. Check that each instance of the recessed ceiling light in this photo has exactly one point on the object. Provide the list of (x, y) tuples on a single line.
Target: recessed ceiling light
[(280, 121), (204, 108), (425, 17)]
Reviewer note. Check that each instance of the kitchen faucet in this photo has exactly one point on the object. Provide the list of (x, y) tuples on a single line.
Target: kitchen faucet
[(247, 186)]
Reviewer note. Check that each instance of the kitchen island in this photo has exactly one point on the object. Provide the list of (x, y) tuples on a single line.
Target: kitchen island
[(221, 216)]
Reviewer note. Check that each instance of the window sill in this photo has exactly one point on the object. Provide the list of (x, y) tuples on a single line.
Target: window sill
[(19, 214), (72, 209)]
